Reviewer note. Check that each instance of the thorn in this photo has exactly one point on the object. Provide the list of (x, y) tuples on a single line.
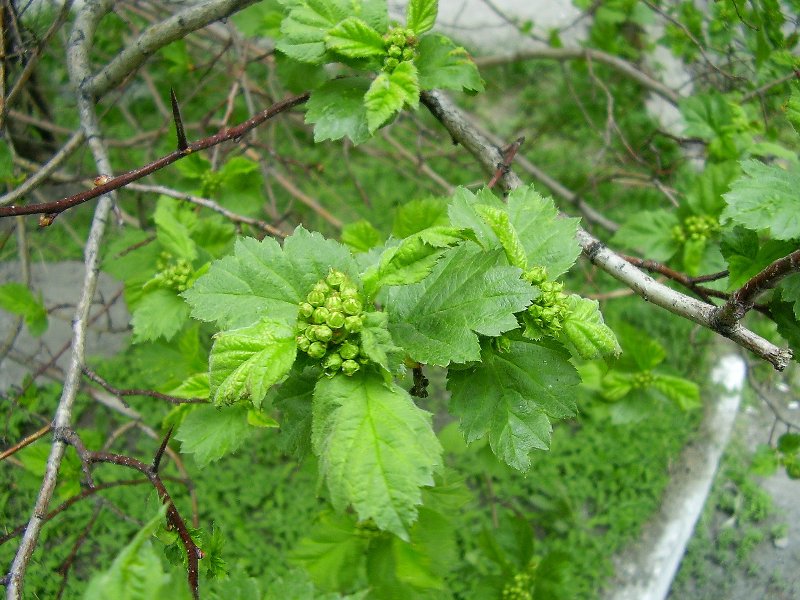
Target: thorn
[(176, 114)]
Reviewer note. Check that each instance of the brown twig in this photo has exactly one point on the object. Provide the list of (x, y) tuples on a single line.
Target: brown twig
[(26, 441), (108, 184), (508, 157), (91, 375)]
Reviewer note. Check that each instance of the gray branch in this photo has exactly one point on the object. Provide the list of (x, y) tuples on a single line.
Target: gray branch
[(463, 131)]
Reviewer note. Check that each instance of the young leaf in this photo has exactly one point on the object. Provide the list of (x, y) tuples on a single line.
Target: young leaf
[(361, 236), (468, 292), (306, 27), (681, 391), (790, 292), (416, 215), (210, 433), (17, 299), (498, 220), (378, 344), (520, 388), (443, 65), (159, 313), (355, 39), (375, 447), (421, 15), (463, 213), (389, 92), (173, 234), (245, 363), (765, 198), (649, 232), (584, 329), (337, 110)]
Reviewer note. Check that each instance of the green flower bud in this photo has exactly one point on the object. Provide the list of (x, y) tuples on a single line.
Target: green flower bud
[(348, 350), (395, 51), (352, 306), (535, 275), (323, 333), (315, 298), (332, 362), (321, 286), (317, 350), (353, 324), (306, 310), (336, 278), (349, 367), (408, 54), (390, 64), (303, 343), (335, 320), (320, 315), (339, 335), (333, 303), (348, 291), (311, 333)]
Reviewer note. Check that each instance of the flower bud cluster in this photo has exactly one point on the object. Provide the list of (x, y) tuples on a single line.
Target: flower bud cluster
[(519, 588), (695, 227), (399, 44), (173, 274), (549, 310), (642, 380), (329, 323)]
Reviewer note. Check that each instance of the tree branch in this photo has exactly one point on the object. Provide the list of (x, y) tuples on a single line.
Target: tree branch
[(463, 131)]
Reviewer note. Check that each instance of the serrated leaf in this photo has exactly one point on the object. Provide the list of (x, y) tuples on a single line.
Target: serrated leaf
[(765, 198), (788, 326), (355, 39), (469, 292), (293, 399), (17, 299), (136, 573), (419, 214), (173, 235), (337, 110), (548, 240), (585, 331), (681, 391), (377, 343), (793, 109), (361, 236), (650, 233), (411, 260), (159, 313), (306, 27), (376, 448), (443, 65), (463, 213), (245, 363), (519, 389), (333, 554), (195, 386), (421, 15), (498, 220), (746, 255), (390, 92), (210, 433)]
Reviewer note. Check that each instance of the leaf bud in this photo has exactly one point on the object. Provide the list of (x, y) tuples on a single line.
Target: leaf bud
[(316, 298), (306, 310), (333, 303), (336, 278), (320, 315), (332, 362), (352, 306), (317, 350), (323, 333), (335, 320), (348, 350), (353, 324), (349, 367)]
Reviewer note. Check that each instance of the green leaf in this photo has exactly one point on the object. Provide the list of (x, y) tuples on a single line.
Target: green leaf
[(412, 259), (416, 215), (681, 391), (172, 233), (548, 240), (136, 573), (159, 313), (790, 292), (788, 325), (463, 213), (389, 92), (746, 256), (793, 109), (361, 236), (421, 15), (293, 399), (337, 109), (789, 443), (649, 232), (195, 386), (306, 27), (245, 363), (333, 553), (519, 389), (377, 343), (585, 331), (500, 224), (765, 198), (469, 292), (355, 39), (443, 65), (17, 299), (210, 433), (375, 447)]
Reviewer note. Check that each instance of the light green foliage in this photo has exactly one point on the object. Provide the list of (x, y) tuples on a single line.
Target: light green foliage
[(377, 343), (337, 109), (498, 221), (421, 15), (361, 236), (245, 363), (468, 292), (160, 313), (650, 233), (746, 255), (416, 215), (375, 448), (352, 37), (585, 331), (17, 299), (307, 25), (793, 109), (136, 573), (443, 65), (790, 292), (765, 198), (210, 433), (522, 388), (390, 92)]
